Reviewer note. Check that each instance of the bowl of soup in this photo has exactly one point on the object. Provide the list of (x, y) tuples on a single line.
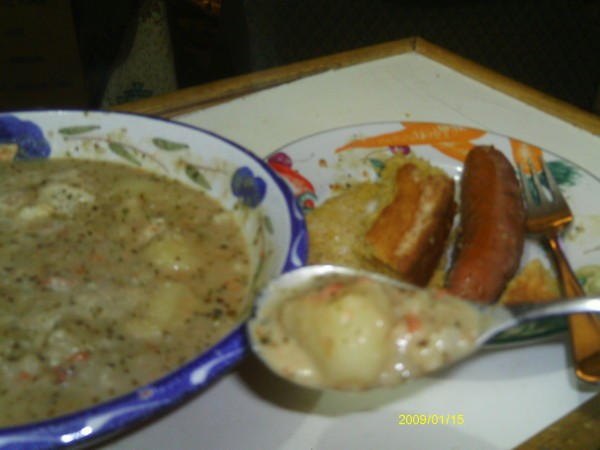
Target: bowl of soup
[(131, 250)]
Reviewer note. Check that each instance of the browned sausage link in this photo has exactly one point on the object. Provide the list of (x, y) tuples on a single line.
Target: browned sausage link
[(492, 232)]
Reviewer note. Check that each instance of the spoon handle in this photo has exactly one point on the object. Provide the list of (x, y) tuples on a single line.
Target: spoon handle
[(533, 311), (505, 317)]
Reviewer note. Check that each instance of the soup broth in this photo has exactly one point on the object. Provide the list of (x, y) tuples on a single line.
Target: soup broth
[(110, 277)]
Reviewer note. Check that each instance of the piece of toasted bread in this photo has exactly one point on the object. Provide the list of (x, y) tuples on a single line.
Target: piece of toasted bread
[(409, 235), (534, 283), (397, 225)]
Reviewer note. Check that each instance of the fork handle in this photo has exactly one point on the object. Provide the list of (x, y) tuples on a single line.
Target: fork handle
[(567, 277), (585, 328)]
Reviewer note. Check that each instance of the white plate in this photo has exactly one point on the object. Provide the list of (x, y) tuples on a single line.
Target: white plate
[(315, 166)]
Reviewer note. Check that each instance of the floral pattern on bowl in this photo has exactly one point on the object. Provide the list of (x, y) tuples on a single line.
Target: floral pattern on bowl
[(264, 206)]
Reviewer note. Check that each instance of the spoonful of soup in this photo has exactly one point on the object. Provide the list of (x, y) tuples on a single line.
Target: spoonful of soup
[(329, 327)]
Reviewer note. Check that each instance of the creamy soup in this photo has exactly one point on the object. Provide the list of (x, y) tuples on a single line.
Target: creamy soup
[(110, 277), (358, 334)]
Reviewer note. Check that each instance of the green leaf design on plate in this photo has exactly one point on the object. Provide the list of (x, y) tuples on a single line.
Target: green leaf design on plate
[(194, 174), (120, 150), (564, 174), (531, 330), (72, 131), (589, 278), (167, 145), (378, 165)]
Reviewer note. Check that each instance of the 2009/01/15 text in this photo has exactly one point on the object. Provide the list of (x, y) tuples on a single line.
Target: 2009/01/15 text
[(431, 419)]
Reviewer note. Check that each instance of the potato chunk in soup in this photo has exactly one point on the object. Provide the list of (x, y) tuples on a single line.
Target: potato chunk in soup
[(359, 334), (110, 277)]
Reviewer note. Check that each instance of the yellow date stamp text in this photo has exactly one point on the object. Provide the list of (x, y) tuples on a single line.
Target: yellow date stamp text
[(431, 419)]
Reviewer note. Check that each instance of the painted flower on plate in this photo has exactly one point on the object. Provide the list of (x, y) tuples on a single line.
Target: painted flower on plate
[(249, 188), (24, 136)]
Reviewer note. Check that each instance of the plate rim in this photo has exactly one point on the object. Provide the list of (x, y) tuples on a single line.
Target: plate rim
[(499, 341)]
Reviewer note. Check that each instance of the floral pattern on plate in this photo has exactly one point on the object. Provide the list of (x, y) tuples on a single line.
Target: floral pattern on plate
[(319, 166)]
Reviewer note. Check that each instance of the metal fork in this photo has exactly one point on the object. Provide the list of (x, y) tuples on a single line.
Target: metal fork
[(547, 217)]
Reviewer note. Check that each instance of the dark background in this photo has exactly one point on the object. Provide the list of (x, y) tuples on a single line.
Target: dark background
[(550, 45)]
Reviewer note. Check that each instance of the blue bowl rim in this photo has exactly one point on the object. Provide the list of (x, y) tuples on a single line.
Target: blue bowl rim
[(70, 428)]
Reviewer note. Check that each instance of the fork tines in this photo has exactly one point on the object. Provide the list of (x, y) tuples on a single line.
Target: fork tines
[(544, 201), (551, 184)]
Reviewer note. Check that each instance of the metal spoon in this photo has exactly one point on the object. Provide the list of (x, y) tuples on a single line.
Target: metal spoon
[(360, 346)]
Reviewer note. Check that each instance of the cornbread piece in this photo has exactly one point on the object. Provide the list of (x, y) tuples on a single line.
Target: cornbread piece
[(338, 225), (348, 228), (410, 233), (533, 284), (492, 233)]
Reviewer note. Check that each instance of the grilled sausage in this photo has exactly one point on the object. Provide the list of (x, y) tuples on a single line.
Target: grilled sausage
[(492, 232)]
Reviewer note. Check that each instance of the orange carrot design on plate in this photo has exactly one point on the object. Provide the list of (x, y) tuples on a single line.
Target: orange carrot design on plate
[(523, 153), (451, 140)]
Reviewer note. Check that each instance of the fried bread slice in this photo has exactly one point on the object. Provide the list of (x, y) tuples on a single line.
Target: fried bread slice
[(410, 233), (397, 225)]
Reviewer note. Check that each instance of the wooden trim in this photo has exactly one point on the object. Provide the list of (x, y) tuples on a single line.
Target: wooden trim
[(204, 96), (579, 429), (563, 110), (209, 94)]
